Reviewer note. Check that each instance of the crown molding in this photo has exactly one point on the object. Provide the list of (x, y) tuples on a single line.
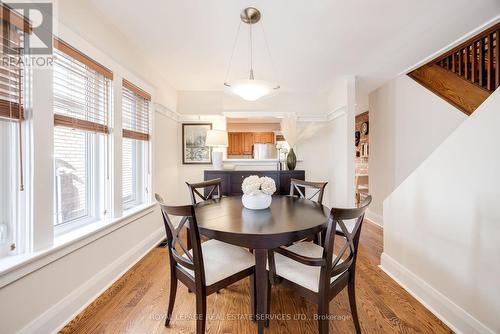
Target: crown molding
[(162, 110), (339, 111)]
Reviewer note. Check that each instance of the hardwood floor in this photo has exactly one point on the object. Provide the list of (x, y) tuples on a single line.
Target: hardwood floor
[(137, 302)]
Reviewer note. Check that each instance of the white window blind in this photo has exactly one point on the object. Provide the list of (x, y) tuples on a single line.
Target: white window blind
[(73, 185), (12, 30), (136, 133), (13, 86), (135, 112), (82, 90), (129, 171)]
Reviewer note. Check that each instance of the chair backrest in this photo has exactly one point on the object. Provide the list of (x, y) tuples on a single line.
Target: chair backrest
[(334, 266), (193, 259), (209, 187), (317, 187)]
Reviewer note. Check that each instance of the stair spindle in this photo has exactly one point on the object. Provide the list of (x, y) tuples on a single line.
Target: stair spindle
[(481, 63), (490, 79), (474, 63), (467, 60), (497, 59)]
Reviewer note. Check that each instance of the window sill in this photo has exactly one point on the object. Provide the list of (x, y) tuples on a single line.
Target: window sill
[(15, 267)]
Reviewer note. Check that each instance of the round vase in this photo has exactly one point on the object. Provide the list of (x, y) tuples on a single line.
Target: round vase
[(256, 202), (291, 160)]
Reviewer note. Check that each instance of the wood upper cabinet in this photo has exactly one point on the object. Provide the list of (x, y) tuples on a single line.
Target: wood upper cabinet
[(267, 137), (263, 137), (235, 146), (247, 143), (241, 143)]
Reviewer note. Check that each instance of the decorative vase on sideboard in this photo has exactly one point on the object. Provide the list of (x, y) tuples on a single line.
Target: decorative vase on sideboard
[(291, 160)]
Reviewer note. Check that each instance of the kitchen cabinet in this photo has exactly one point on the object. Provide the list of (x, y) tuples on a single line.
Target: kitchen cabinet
[(263, 137), (235, 140), (231, 180), (247, 143), (241, 143)]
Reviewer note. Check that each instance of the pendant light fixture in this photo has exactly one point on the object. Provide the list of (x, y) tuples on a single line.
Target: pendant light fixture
[(250, 89)]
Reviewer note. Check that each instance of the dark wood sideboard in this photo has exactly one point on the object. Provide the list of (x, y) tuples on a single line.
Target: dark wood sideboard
[(232, 179)]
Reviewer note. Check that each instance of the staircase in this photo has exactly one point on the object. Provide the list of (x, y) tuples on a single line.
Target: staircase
[(466, 75)]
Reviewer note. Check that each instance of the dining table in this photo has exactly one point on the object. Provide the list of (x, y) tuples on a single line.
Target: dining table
[(288, 219)]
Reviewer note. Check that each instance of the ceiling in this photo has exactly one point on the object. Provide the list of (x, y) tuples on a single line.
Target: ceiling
[(313, 43)]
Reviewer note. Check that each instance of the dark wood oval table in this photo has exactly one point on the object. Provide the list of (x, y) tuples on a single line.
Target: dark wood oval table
[(288, 219)]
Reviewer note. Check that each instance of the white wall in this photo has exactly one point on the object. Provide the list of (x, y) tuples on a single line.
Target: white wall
[(216, 102), (441, 226), (165, 154), (407, 122), (324, 159)]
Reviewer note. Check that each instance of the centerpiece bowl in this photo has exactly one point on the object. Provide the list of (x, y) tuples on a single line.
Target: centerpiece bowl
[(257, 192)]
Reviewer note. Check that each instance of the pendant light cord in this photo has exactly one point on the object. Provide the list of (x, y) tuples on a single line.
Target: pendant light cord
[(270, 56), (232, 54)]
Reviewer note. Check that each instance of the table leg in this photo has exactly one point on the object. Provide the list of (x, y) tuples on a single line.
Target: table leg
[(261, 283)]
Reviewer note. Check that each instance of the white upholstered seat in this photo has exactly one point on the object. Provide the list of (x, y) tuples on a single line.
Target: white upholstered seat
[(301, 274), (222, 260)]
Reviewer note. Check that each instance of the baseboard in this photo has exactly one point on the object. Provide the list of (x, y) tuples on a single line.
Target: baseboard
[(459, 320), (374, 218), (55, 318)]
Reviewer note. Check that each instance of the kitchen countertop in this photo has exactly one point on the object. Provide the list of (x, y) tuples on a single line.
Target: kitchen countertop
[(253, 160)]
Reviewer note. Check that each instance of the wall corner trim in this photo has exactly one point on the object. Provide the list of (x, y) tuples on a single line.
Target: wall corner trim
[(56, 317), (337, 112), (459, 320), (374, 218), (162, 110)]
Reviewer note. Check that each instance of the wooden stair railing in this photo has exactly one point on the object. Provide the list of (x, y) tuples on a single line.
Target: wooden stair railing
[(466, 75)]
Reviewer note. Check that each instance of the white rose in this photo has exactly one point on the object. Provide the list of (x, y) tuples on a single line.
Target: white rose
[(267, 185), (251, 185)]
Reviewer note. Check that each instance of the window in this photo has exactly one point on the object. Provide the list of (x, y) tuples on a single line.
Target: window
[(135, 163), (82, 90), (13, 101)]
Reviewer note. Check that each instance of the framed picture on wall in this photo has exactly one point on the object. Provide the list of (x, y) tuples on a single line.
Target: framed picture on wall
[(194, 150)]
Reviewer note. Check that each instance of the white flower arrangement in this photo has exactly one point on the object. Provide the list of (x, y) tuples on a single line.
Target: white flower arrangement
[(267, 185), (253, 185)]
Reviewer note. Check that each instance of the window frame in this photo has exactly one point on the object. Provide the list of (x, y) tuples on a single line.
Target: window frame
[(96, 186), (39, 232), (97, 153), (141, 146)]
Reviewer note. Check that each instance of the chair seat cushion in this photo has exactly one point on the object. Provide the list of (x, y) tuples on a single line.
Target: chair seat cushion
[(296, 272), (222, 260)]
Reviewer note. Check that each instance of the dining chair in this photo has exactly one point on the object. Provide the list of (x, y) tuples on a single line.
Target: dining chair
[(209, 188), (207, 267), (300, 187), (317, 273)]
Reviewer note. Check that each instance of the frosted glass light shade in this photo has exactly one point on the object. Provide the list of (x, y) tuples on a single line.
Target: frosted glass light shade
[(216, 138), (251, 89)]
